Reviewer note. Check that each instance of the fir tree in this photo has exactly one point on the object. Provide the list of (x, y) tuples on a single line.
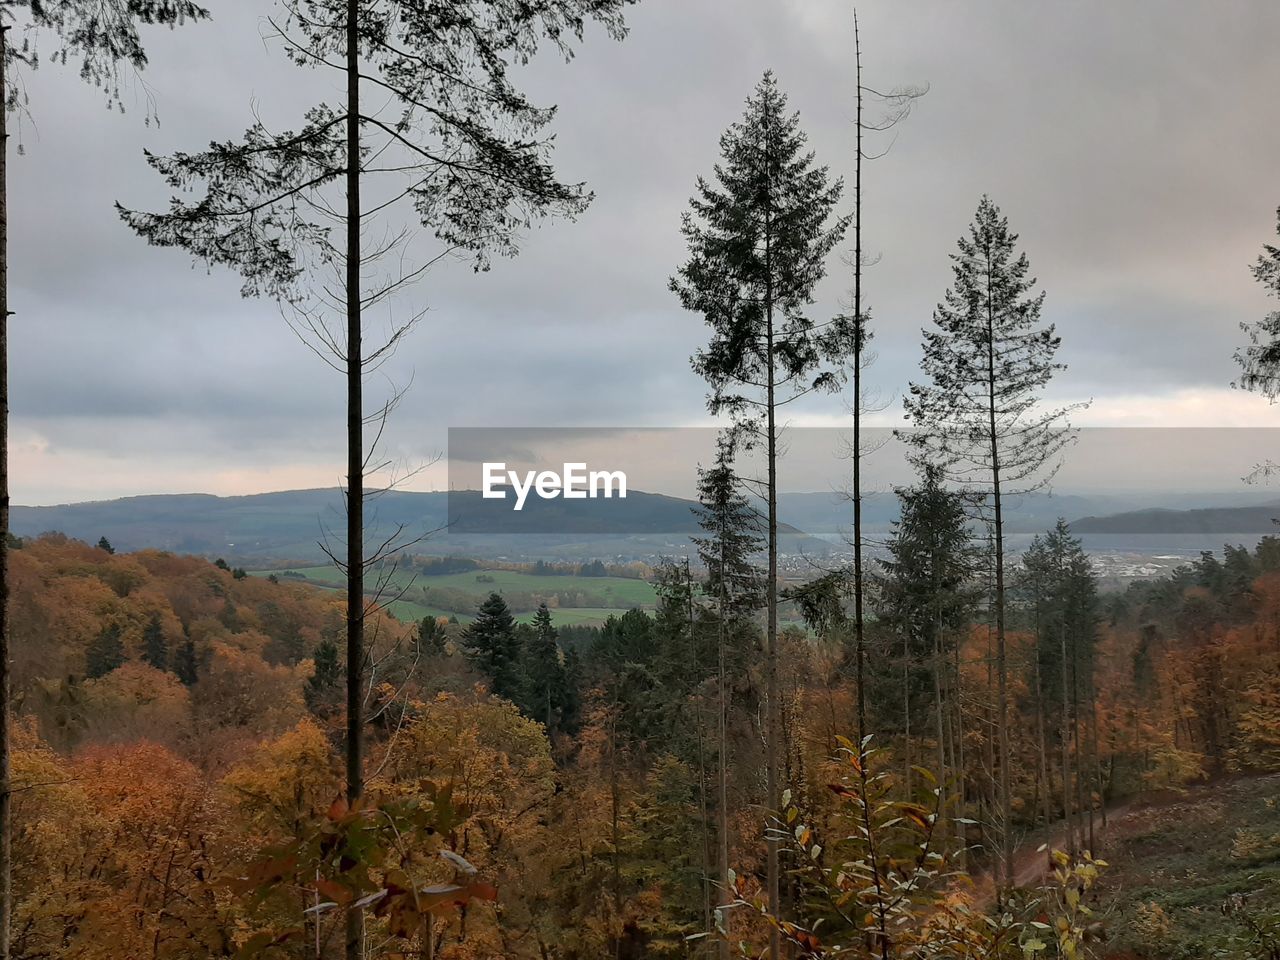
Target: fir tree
[(430, 637), (924, 600), (493, 645), (186, 665), (321, 691), (105, 653), (978, 417), (105, 544), (1260, 360), (732, 583), (758, 241), (546, 687), (154, 649)]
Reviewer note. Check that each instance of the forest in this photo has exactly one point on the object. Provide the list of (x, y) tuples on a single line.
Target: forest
[(948, 747)]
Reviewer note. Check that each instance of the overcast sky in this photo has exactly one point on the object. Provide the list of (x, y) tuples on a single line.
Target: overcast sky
[(1134, 147)]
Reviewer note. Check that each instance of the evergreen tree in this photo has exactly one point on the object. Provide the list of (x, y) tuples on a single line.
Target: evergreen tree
[(758, 242), (1064, 596), (441, 139), (186, 665), (978, 417), (430, 637), (493, 644), (1260, 360), (105, 653), (154, 650), (546, 688), (925, 600), (321, 691), (732, 531), (105, 544)]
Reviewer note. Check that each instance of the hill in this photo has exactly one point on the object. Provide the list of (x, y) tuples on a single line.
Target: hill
[(1215, 520), (289, 525)]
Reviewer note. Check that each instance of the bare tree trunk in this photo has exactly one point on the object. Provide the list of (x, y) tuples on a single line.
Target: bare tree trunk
[(858, 625), (722, 771), (944, 788), (706, 828), (6, 850), (355, 455), (1067, 812)]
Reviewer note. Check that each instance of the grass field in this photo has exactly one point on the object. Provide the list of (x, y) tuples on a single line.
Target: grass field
[(612, 596)]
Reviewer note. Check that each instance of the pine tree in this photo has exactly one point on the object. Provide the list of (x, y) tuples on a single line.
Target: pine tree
[(545, 685), (493, 645), (925, 600), (1064, 595), (321, 690), (105, 544), (732, 583), (978, 417), (430, 130), (154, 649), (758, 242), (105, 653), (430, 637), (1260, 360), (186, 665)]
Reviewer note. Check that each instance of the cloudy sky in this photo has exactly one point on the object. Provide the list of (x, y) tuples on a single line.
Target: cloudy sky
[(1132, 146)]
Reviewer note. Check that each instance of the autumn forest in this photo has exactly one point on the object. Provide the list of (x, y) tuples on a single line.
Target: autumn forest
[(942, 738)]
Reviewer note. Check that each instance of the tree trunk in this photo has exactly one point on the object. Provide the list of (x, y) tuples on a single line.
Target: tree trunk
[(858, 625), (722, 771), (355, 455), (771, 625), (1002, 666), (1067, 812), (6, 851)]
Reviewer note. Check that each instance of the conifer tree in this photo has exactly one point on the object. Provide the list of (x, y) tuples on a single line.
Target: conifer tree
[(546, 688), (758, 238), (105, 653), (493, 644), (1260, 360), (733, 586), (186, 665), (430, 132), (154, 650), (925, 599), (322, 685), (978, 416)]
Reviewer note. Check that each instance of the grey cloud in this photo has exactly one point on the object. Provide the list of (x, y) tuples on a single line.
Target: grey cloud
[(1128, 143)]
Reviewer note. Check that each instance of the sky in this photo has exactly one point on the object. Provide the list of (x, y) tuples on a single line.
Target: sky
[(1130, 145)]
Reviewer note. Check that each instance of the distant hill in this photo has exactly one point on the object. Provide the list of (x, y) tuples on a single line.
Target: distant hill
[(289, 525), (1239, 520)]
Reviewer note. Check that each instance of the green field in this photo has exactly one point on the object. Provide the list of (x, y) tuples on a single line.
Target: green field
[(458, 594)]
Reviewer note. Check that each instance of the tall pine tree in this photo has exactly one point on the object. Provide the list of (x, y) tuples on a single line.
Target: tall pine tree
[(429, 132), (759, 237), (978, 417)]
